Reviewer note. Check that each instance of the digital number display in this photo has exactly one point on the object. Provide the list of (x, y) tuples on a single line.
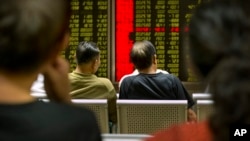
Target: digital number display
[(116, 24), (163, 22), (89, 22)]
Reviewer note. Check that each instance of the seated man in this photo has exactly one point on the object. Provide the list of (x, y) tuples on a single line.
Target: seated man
[(85, 84), (149, 84)]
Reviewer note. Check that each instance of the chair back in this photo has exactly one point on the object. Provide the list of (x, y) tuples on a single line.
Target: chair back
[(200, 96), (39, 96), (148, 116), (125, 137), (204, 109), (99, 107)]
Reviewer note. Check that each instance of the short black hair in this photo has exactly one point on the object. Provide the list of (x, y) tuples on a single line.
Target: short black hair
[(86, 52)]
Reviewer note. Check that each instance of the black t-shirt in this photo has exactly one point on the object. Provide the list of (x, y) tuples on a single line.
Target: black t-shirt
[(154, 86), (40, 121)]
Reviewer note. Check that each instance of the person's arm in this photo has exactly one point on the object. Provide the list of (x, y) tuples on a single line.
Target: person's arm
[(56, 81), (122, 90), (112, 106), (120, 82), (191, 115), (183, 94)]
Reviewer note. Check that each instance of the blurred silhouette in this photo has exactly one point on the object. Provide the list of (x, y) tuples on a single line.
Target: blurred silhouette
[(32, 34), (219, 37)]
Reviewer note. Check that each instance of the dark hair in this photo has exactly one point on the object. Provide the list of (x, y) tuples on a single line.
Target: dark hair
[(141, 54), (86, 52), (244, 4), (29, 30), (219, 39)]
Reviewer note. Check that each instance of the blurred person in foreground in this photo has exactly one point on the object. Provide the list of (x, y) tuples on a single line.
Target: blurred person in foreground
[(149, 84), (32, 34), (219, 45), (85, 84)]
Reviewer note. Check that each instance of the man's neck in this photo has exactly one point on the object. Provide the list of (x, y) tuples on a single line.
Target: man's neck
[(83, 70), (15, 88), (150, 70)]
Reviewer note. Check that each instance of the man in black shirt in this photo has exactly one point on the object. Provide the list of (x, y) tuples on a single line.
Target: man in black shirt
[(151, 85)]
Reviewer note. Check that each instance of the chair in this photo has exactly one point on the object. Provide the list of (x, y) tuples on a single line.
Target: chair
[(204, 109), (200, 96), (39, 96), (125, 137), (148, 116), (99, 107)]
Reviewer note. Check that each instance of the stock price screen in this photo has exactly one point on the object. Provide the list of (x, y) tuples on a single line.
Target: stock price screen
[(163, 22), (116, 24), (89, 22)]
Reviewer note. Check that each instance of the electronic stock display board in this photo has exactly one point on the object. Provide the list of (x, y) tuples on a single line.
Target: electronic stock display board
[(163, 22), (116, 24), (90, 22)]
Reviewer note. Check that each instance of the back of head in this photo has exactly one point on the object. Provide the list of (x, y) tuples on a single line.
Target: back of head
[(142, 54), (29, 31), (217, 30), (86, 52), (220, 48), (244, 4)]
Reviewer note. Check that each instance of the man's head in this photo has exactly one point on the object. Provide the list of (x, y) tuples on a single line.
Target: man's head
[(218, 30), (88, 53), (30, 31), (143, 54)]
